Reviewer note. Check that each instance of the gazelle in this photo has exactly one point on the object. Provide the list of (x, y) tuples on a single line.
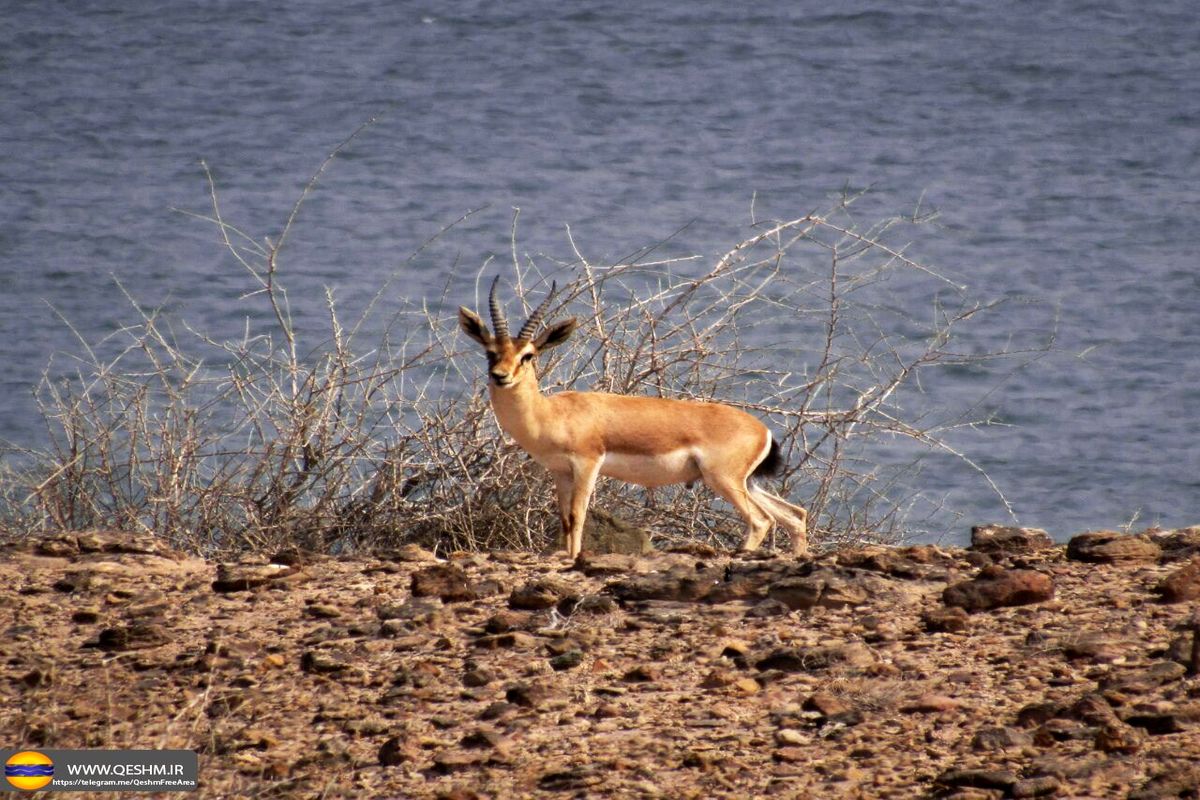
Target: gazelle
[(651, 441)]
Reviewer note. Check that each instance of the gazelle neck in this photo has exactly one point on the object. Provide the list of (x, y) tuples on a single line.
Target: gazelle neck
[(518, 408)]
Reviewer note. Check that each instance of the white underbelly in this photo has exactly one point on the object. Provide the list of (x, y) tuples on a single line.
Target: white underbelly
[(677, 466)]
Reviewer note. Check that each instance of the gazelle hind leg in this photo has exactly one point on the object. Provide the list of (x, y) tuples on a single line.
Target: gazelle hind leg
[(758, 521), (792, 517)]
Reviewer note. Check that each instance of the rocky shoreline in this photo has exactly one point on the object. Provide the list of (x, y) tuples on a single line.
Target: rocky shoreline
[(1014, 668)]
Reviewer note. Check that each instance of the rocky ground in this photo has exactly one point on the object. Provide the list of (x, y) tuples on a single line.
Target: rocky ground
[(1015, 668)]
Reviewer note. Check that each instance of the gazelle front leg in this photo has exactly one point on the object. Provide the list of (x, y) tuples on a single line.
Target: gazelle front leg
[(564, 486), (574, 510)]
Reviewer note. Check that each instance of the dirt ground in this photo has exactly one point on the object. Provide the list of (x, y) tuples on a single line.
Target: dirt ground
[(1015, 668)]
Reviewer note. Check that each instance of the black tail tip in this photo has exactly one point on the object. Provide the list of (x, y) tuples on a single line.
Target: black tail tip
[(771, 464)]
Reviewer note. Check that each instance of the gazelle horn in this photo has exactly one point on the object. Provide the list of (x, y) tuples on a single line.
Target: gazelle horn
[(498, 320), (535, 319)]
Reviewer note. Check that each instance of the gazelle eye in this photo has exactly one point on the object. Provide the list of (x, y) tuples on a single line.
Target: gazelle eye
[(525, 359), (492, 358)]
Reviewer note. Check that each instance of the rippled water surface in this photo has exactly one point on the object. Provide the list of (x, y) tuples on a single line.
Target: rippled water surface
[(1060, 142)]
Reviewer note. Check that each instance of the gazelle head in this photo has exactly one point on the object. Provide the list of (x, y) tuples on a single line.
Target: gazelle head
[(511, 361)]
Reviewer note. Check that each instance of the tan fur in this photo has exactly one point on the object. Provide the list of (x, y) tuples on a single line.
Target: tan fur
[(579, 436)]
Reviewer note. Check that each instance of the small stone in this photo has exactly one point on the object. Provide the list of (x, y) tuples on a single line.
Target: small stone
[(538, 595), (1007, 540), (978, 778), (446, 581), (1095, 648), (1175, 781), (1036, 787), (323, 611), (996, 587), (767, 608), (1036, 714), (576, 778), (1143, 681), (322, 662), (478, 677), (605, 564), (568, 660), (498, 710), (718, 679), (450, 761), (945, 620), (824, 588), (796, 659), (932, 704), (482, 740), (396, 751), (1110, 547), (644, 673), (504, 621), (529, 695), (792, 755), (596, 604), (516, 640), (86, 616), (139, 636), (789, 737), (1119, 738), (1092, 709), (607, 533), (1183, 585), (826, 704), (244, 577), (675, 586), (993, 739), (1159, 723)]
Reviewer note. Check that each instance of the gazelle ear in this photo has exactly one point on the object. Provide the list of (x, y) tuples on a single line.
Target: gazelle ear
[(556, 333), (473, 326)]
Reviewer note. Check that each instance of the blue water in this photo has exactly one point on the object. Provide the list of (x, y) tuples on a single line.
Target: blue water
[(1059, 141)]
